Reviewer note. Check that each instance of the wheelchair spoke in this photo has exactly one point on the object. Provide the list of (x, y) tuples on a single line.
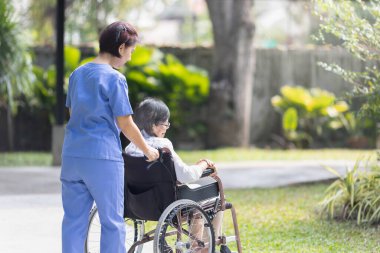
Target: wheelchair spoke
[(134, 231), (186, 229)]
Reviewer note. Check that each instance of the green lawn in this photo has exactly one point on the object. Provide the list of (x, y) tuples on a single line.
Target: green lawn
[(236, 154), (26, 159), (285, 220), (218, 155)]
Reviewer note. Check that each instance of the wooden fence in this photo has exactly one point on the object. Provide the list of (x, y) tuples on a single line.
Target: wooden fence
[(276, 68)]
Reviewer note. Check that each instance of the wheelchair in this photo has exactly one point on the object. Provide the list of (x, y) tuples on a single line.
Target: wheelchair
[(183, 212)]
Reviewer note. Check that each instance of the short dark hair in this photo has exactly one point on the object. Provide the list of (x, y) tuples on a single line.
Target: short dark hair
[(115, 35), (151, 111)]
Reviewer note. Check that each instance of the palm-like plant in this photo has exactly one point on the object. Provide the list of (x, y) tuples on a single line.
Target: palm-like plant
[(15, 63), (355, 196), (307, 114)]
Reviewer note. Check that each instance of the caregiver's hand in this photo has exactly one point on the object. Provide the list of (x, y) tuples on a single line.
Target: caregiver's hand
[(152, 154)]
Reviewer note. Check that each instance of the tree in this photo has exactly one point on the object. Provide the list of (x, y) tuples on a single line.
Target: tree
[(15, 64), (233, 71), (357, 25), (85, 19)]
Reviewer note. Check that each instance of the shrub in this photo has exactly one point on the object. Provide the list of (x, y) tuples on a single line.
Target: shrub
[(356, 24), (355, 196), (43, 95), (150, 73), (184, 89), (15, 60), (308, 115)]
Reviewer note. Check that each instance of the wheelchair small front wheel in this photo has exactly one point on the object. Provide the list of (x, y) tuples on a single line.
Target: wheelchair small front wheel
[(134, 232), (184, 227)]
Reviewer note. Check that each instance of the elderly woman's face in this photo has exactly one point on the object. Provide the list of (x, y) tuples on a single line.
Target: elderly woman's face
[(159, 130)]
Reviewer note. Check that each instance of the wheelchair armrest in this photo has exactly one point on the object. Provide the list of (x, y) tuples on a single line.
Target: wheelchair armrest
[(207, 172)]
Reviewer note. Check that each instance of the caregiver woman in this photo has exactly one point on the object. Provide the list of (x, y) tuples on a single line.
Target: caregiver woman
[(92, 164)]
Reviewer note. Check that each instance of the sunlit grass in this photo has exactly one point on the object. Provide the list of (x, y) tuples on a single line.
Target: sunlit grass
[(236, 154), (285, 220), (218, 155), (26, 159)]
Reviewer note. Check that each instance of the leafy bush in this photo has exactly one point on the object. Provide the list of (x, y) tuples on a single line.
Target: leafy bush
[(359, 132), (15, 60), (150, 73), (355, 196), (44, 86), (308, 114), (184, 89)]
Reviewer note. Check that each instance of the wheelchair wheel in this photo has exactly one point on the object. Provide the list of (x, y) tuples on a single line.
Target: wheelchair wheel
[(184, 227), (134, 232)]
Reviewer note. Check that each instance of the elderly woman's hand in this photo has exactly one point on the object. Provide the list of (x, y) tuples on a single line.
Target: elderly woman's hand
[(208, 163)]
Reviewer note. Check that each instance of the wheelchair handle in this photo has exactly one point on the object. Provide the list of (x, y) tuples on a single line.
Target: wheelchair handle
[(160, 159), (207, 172)]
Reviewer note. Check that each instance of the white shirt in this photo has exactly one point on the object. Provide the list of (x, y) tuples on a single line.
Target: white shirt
[(185, 173)]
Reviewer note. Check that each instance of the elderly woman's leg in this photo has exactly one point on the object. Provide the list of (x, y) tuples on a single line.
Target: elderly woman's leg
[(197, 230), (217, 223)]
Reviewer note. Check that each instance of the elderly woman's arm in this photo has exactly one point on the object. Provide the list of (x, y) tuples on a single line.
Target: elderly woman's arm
[(185, 173)]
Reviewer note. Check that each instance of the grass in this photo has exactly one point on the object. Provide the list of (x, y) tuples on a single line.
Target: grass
[(218, 155), (285, 220), (236, 154), (26, 159)]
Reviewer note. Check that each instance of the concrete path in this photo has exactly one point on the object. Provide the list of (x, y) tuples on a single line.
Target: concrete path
[(30, 203)]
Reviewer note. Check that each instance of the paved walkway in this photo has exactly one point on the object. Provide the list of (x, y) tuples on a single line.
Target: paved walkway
[(30, 204)]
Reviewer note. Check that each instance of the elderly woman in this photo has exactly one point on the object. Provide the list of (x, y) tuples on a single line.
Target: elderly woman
[(152, 118)]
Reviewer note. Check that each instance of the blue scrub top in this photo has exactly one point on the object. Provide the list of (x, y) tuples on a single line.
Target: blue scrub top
[(97, 94)]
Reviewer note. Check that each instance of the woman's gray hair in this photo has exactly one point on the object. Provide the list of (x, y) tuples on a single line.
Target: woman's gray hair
[(150, 111)]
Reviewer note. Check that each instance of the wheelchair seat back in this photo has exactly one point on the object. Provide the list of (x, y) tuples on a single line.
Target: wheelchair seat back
[(149, 188)]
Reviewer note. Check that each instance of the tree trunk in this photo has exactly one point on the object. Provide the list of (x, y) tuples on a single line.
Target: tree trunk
[(233, 71)]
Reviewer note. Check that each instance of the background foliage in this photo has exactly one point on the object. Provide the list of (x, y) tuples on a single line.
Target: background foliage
[(355, 196), (85, 20), (15, 66), (183, 88), (150, 73), (15, 59), (43, 95), (314, 115), (357, 24)]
